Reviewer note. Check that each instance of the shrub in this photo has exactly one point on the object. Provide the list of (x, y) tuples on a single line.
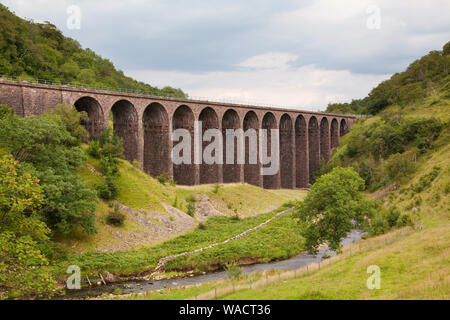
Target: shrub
[(109, 190), (404, 220), (216, 188), (202, 226), (399, 166), (162, 178), (426, 180), (233, 270), (172, 182), (94, 149), (116, 217)]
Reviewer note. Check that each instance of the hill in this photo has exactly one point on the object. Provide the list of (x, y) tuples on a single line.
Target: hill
[(422, 79), (31, 50)]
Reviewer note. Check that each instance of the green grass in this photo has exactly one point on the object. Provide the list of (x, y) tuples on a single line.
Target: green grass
[(217, 229)]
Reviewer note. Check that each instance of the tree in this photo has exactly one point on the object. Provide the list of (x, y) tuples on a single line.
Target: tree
[(43, 144), (22, 233), (334, 205)]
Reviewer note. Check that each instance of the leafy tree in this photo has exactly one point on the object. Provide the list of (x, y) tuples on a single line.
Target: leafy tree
[(72, 119), (22, 233), (333, 206), (48, 150)]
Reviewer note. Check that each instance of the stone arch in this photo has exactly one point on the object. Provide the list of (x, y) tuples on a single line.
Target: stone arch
[(231, 172), (269, 122), (324, 139), (209, 173), (313, 146), (92, 107), (126, 126), (252, 172), (183, 118), (286, 152), (156, 140), (343, 129), (334, 131), (301, 153)]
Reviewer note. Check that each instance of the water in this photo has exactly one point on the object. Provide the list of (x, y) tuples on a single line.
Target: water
[(295, 262)]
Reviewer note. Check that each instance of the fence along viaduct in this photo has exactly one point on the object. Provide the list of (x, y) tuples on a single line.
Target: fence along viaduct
[(146, 122)]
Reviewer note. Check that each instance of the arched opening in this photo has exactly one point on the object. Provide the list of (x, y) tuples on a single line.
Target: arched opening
[(269, 122), (156, 140), (301, 155), (252, 172), (231, 172), (324, 140), (126, 126), (95, 124), (334, 133), (184, 173), (286, 152), (209, 173), (314, 146), (343, 128)]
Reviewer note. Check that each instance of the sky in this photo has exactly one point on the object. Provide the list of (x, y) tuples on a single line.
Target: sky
[(285, 53)]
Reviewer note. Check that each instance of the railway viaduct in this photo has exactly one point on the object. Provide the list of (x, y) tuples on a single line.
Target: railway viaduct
[(146, 122)]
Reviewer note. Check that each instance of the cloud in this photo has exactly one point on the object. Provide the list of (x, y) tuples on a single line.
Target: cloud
[(290, 51), (305, 87), (269, 60)]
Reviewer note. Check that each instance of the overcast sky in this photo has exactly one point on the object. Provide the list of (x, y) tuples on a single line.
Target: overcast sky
[(285, 53)]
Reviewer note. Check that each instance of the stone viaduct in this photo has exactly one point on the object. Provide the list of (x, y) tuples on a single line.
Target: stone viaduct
[(146, 122)]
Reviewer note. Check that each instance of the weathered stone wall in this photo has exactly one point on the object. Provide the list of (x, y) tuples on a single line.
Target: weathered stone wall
[(146, 124)]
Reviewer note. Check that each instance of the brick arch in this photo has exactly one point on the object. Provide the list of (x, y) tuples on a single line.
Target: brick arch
[(92, 107), (286, 152), (269, 122), (126, 126), (301, 153), (251, 171), (324, 139), (183, 118), (156, 140), (209, 173), (231, 172), (334, 132), (343, 128), (313, 145)]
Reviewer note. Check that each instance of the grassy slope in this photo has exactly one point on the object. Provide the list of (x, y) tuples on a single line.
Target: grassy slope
[(414, 267)]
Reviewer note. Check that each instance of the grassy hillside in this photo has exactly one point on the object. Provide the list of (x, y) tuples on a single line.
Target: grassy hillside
[(422, 79), (148, 222), (41, 51)]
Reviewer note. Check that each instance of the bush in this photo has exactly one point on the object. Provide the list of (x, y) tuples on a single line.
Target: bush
[(216, 188), (426, 180), (191, 205), (94, 149), (400, 165), (202, 226), (108, 191), (116, 217), (233, 270), (162, 178)]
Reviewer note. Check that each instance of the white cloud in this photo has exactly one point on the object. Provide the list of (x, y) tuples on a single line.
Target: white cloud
[(301, 87), (269, 60)]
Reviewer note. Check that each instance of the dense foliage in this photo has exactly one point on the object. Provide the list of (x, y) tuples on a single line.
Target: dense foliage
[(420, 80), (44, 145), (23, 236), (386, 149), (41, 51)]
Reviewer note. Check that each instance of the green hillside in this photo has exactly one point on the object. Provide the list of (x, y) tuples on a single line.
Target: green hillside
[(40, 51), (423, 78)]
